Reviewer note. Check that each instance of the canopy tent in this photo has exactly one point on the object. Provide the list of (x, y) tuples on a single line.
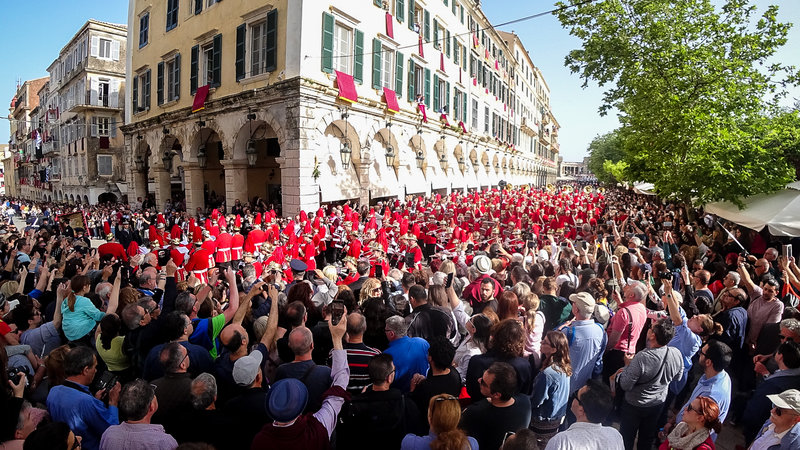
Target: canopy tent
[(644, 188), (780, 211)]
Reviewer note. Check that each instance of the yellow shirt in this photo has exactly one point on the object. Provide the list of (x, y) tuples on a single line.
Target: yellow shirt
[(115, 359)]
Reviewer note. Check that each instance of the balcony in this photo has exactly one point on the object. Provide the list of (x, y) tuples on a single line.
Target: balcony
[(50, 147), (87, 102), (544, 136)]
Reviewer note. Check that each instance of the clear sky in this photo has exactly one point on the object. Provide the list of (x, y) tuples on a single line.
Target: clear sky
[(36, 31)]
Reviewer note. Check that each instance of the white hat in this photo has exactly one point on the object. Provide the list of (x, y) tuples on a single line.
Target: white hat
[(483, 264), (246, 368)]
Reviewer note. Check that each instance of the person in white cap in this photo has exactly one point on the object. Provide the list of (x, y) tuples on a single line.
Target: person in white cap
[(782, 430), (587, 341)]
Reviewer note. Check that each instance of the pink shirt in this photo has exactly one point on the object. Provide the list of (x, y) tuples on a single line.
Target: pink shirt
[(628, 338), (761, 312)]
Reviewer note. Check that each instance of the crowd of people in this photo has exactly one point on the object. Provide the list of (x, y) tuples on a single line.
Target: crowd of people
[(563, 318)]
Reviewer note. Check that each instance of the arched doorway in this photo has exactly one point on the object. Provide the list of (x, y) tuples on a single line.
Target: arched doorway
[(85, 199), (210, 154), (257, 145), (107, 197), (172, 161)]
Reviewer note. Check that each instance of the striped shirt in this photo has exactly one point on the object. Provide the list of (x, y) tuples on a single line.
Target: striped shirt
[(358, 357)]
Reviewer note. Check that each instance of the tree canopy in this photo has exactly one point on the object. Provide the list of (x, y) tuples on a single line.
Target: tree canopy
[(695, 90)]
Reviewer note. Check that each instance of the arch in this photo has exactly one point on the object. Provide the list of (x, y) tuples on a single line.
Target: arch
[(263, 118), (386, 139), (485, 161), (496, 163), (168, 143), (71, 198), (417, 146), (85, 199), (346, 134), (458, 154), (107, 197), (504, 165)]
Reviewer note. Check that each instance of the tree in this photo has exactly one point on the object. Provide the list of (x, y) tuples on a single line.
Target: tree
[(604, 152), (692, 85)]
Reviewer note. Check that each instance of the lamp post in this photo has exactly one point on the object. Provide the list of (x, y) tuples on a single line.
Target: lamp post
[(390, 156), (346, 152), (251, 152), (420, 159), (202, 156), (167, 160), (138, 161)]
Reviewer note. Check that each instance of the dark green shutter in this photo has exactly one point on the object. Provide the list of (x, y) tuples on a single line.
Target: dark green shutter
[(376, 63), (378, 3), (464, 107), (411, 94), (445, 2), (400, 10), (398, 75), (271, 62), (454, 6), (436, 43), (327, 42), (177, 76), (447, 43), (358, 65), (427, 19), (160, 83), (193, 69), (198, 6), (411, 14), (217, 61), (146, 88), (241, 34), (427, 94), (135, 93), (436, 103), (446, 105)]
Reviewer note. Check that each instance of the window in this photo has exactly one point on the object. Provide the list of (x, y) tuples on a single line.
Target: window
[(474, 114), (485, 119), (144, 28), (102, 125), (141, 91), (438, 34), (104, 49), (457, 99), (419, 80), (443, 88), (342, 48), (172, 14), (102, 93), (105, 165), (173, 78), (211, 2), (387, 71), (207, 65), (258, 48), (258, 55)]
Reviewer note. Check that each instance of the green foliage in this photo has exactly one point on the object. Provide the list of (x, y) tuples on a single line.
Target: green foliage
[(603, 150), (693, 86)]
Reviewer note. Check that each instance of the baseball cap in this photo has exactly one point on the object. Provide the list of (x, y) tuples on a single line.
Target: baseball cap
[(584, 301), (789, 399), (246, 368)]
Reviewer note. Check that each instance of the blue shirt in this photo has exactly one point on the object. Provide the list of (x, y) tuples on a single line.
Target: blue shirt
[(550, 395), (414, 442), (688, 344), (587, 342), (86, 416), (78, 323), (718, 388), (410, 356)]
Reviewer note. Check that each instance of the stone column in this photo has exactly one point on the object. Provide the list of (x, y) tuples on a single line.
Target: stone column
[(193, 177), (163, 186), (235, 181), (138, 185)]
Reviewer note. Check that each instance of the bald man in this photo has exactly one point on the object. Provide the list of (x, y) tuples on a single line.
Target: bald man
[(234, 346), (316, 378)]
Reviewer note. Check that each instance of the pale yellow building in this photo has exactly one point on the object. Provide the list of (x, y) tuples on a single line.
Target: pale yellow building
[(276, 122)]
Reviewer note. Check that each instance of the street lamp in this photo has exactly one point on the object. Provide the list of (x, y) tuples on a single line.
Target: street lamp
[(461, 164), (346, 152), (420, 159), (251, 153), (167, 160), (139, 162), (390, 156), (202, 156)]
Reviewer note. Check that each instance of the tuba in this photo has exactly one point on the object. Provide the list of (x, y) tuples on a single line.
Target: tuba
[(568, 188), (601, 190), (587, 189), (550, 188)]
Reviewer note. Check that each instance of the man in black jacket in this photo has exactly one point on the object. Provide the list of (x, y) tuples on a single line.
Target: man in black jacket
[(427, 321)]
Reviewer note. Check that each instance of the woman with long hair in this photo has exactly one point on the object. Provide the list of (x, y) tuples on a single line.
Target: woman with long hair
[(506, 345), (694, 432), (476, 342), (444, 414), (109, 347), (80, 316), (551, 387), (302, 292), (373, 305)]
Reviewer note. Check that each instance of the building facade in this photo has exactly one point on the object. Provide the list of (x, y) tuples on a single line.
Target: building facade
[(83, 149), (312, 102), (23, 139), (6, 161)]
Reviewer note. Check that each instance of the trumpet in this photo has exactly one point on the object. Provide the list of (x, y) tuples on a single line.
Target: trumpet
[(568, 188)]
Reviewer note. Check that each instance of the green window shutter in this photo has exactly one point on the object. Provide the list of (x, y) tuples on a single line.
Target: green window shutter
[(160, 83), (241, 32), (427, 94), (217, 61), (146, 88), (193, 69), (135, 93), (427, 19), (445, 2), (446, 98), (400, 10), (177, 76), (271, 62), (436, 103), (411, 94), (454, 6), (464, 107), (447, 43), (376, 63), (456, 53), (378, 3), (327, 42), (436, 43), (398, 72), (410, 14), (358, 64)]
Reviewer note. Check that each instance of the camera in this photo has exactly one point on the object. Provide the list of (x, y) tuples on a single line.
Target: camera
[(16, 373), (666, 275)]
